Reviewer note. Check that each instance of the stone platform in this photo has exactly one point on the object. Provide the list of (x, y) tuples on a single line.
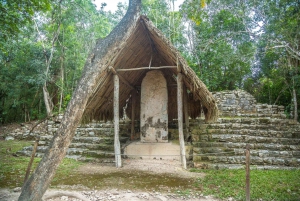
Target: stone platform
[(168, 151)]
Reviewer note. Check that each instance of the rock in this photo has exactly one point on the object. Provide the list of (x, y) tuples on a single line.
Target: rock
[(9, 138), (17, 189)]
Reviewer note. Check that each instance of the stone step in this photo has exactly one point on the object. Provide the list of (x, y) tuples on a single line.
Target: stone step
[(286, 133), (93, 140), (236, 138), (75, 149), (237, 126), (94, 132), (169, 150), (89, 146), (254, 160), (205, 165), (45, 140), (253, 146), (241, 152), (256, 120)]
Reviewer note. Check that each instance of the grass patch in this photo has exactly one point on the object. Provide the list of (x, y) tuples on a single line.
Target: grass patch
[(275, 185), (13, 169)]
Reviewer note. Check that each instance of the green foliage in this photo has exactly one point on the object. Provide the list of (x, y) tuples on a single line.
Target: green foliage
[(265, 184), (162, 14), (13, 169), (195, 10), (222, 47), (15, 13), (252, 45), (60, 33), (278, 61)]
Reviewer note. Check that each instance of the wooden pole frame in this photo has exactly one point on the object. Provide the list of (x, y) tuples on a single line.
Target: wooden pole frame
[(121, 77), (186, 112), (180, 119), (133, 105), (116, 122), (144, 68)]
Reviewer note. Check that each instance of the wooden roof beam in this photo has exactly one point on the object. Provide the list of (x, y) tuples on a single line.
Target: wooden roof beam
[(121, 77), (145, 68)]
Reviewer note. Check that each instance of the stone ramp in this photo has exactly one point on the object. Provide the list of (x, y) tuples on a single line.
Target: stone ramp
[(162, 151)]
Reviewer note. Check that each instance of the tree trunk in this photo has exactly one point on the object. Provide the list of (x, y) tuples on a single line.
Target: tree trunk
[(35, 187), (48, 101), (295, 104)]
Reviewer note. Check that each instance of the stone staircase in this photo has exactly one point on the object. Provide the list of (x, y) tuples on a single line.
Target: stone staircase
[(92, 142), (274, 140)]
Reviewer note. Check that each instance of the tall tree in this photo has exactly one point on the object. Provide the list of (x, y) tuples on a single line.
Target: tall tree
[(54, 47), (37, 184), (15, 13), (279, 35), (221, 47)]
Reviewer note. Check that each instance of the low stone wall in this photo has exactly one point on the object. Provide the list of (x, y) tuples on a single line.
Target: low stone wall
[(241, 103)]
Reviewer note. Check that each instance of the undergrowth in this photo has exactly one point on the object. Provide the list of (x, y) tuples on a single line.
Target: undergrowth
[(275, 185), (13, 167)]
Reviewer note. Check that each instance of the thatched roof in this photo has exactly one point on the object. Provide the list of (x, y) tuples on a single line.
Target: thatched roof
[(144, 46)]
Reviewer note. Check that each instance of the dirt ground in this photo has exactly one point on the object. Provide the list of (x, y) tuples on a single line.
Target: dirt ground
[(153, 167)]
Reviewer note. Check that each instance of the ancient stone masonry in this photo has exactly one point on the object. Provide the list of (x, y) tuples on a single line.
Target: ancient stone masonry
[(92, 142), (243, 104), (274, 140)]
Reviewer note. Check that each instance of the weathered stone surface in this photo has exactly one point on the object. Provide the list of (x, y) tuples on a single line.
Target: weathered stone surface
[(9, 138), (154, 108), (274, 140)]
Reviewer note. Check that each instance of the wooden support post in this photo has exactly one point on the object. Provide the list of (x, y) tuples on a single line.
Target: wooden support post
[(121, 77), (186, 112), (180, 119), (116, 122), (247, 172), (133, 105)]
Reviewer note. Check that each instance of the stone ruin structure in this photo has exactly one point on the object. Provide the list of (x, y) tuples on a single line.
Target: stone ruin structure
[(274, 139)]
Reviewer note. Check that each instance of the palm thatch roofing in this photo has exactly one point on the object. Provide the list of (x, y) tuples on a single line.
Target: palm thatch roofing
[(146, 46)]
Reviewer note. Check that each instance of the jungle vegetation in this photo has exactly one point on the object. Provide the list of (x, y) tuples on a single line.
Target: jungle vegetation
[(252, 45)]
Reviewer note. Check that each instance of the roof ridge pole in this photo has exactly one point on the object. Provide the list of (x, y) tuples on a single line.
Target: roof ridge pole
[(116, 122), (180, 119)]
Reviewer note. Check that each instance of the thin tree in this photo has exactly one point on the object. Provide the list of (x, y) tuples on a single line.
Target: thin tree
[(35, 187)]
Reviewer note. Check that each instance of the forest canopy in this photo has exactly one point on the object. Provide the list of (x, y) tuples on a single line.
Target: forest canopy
[(251, 45)]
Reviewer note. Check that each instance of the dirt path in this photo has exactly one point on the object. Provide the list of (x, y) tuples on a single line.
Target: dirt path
[(135, 181)]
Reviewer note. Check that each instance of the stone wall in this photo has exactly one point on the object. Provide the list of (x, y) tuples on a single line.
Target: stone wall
[(91, 142), (241, 103), (274, 139)]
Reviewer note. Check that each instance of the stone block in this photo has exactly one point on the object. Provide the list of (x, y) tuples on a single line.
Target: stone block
[(296, 154), (7, 138), (294, 147), (267, 160), (278, 161)]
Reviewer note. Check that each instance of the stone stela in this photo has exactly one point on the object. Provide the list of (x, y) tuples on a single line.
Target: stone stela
[(154, 108)]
